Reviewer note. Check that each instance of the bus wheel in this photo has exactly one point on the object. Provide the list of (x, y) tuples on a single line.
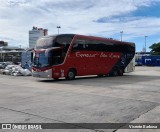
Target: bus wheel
[(71, 74), (113, 73), (56, 78), (100, 75), (120, 72)]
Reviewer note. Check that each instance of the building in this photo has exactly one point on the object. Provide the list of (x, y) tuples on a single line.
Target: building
[(35, 34), (9, 53), (2, 43)]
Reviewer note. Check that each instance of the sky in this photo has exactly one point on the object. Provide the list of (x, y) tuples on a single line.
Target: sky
[(103, 18)]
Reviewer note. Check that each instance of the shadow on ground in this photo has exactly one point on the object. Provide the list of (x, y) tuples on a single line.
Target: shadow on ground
[(94, 80)]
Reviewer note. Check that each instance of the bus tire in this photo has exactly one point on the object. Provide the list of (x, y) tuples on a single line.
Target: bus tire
[(120, 72), (113, 73), (71, 74), (100, 75)]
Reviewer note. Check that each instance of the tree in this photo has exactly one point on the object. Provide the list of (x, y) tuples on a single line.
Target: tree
[(155, 49)]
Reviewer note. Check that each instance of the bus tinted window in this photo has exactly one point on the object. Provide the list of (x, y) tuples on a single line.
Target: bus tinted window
[(101, 46), (79, 45), (91, 45), (95, 45), (63, 41)]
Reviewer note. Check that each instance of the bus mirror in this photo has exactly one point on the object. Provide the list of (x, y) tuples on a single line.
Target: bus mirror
[(74, 48), (75, 45), (47, 52)]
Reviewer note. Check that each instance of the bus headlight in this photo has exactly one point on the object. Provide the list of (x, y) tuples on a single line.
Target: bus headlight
[(46, 71)]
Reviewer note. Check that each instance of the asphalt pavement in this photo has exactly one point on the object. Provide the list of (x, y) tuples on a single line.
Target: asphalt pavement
[(132, 98)]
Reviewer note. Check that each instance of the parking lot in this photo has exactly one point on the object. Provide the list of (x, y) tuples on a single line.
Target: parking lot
[(134, 98)]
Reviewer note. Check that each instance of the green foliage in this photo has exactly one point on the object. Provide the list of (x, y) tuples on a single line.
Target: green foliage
[(155, 49)]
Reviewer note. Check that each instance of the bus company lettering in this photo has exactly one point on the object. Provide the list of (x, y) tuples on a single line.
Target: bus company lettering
[(102, 55), (113, 56), (85, 55)]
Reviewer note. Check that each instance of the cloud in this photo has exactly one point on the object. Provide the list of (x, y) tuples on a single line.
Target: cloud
[(93, 17)]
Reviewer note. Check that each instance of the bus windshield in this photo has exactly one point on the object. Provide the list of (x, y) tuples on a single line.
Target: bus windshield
[(40, 60), (58, 46), (54, 57)]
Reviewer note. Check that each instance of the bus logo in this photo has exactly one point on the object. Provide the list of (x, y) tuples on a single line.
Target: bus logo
[(6, 126)]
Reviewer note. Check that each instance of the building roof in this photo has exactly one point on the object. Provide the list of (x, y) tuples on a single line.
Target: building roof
[(9, 48)]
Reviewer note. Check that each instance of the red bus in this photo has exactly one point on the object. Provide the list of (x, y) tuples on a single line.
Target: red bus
[(70, 55)]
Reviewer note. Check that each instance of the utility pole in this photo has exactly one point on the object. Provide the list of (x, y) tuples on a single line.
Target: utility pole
[(58, 27), (121, 34), (145, 38)]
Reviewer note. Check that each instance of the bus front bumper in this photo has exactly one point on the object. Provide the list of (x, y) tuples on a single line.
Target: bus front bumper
[(42, 74)]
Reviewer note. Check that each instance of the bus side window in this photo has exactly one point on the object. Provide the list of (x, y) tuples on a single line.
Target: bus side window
[(64, 42), (78, 45), (91, 45)]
